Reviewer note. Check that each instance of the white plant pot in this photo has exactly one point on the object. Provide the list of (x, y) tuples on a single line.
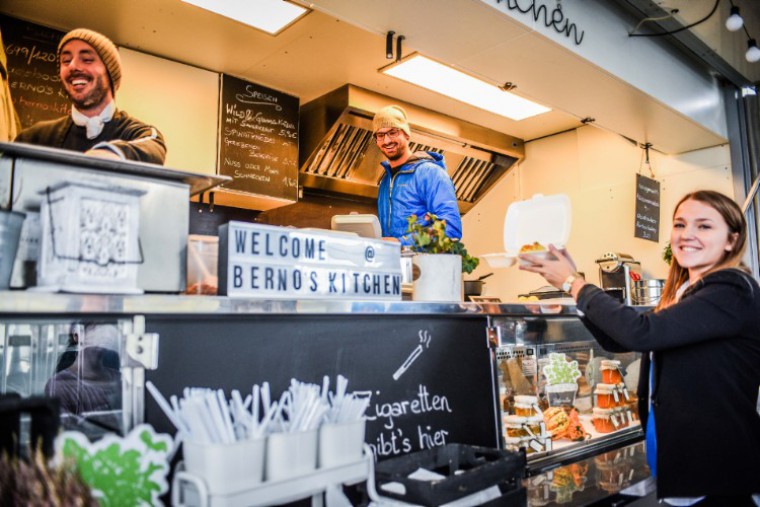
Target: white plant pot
[(440, 278)]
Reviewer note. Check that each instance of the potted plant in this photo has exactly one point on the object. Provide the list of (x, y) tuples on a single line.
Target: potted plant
[(440, 260)]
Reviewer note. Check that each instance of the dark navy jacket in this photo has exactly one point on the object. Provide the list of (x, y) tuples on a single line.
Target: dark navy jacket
[(706, 380)]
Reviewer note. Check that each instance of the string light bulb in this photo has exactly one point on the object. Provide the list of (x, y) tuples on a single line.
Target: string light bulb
[(753, 52), (734, 22)]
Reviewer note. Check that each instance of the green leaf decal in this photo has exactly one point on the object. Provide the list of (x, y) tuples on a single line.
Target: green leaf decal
[(129, 471)]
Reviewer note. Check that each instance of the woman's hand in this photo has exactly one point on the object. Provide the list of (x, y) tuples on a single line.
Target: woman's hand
[(554, 271)]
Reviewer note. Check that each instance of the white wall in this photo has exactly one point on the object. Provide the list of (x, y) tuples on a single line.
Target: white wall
[(596, 169), (179, 100)]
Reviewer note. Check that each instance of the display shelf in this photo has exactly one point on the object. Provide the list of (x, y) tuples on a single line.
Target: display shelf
[(189, 490)]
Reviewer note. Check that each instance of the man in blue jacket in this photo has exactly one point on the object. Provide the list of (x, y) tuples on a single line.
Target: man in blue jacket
[(414, 183)]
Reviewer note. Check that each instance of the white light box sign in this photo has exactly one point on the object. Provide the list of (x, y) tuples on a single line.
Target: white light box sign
[(279, 262)]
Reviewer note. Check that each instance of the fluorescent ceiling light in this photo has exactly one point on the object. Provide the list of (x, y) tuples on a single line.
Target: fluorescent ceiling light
[(270, 16), (423, 71)]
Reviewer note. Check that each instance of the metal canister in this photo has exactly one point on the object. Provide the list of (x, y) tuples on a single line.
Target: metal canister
[(406, 266), (648, 292)]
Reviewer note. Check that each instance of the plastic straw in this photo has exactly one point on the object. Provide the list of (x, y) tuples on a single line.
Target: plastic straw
[(164, 405)]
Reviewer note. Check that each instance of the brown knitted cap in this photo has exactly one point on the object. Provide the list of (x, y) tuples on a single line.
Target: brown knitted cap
[(391, 117), (105, 49)]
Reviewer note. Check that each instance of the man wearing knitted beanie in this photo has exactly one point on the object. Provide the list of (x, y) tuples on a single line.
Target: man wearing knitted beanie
[(90, 72), (414, 183)]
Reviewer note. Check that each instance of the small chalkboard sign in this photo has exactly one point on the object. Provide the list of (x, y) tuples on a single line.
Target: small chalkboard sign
[(647, 223), (258, 139), (35, 85)]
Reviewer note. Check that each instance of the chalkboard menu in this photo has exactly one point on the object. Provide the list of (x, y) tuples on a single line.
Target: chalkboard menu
[(35, 86), (258, 139), (647, 225)]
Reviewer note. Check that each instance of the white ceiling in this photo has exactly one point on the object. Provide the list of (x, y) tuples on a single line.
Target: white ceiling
[(321, 53)]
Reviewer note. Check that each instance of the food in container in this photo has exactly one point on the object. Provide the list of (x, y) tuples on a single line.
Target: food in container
[(607, 396), (526, 406), (515, 426), (536, 425), (556, 420), (536, 251), (533, 247), (202, 265), (564, 425), (605, 420), (611, 372), (545, 220)]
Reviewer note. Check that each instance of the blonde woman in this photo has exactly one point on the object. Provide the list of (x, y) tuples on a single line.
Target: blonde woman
[(704, 341)]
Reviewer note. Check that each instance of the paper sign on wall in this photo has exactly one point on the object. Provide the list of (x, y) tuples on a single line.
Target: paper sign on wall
[(266, 261)]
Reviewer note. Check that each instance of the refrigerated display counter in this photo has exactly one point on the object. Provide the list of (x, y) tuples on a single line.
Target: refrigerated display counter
[(437, 373)]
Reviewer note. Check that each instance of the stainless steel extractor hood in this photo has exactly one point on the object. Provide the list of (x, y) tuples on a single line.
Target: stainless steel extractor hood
[(338, 154)]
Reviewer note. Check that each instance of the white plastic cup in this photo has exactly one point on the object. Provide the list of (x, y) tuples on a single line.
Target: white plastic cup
[(226, 468), (290, 454), (341, 443)]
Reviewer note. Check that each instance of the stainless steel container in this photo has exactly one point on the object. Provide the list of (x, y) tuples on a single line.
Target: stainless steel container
[(164, 210), (647, 292), (407, 271)]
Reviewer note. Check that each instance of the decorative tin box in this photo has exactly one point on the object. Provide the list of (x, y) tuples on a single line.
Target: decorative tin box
[(90, 239)]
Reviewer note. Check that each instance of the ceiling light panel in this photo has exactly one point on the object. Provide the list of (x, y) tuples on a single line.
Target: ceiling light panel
[(434, 76), (270, 16)]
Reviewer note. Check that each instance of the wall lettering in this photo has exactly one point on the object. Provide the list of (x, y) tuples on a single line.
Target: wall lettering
[(554, 18)]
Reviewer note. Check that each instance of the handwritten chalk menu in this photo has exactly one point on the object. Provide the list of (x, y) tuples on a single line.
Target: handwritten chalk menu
[(258, 260), (35, 86), (428, 378), (258, 139), (647, 225)]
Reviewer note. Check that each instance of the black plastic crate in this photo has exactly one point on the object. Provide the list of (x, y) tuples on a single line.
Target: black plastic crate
[(466, 469)]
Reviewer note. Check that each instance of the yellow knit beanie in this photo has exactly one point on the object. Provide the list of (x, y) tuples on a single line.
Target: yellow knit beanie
[(105, 49), (391, 117)]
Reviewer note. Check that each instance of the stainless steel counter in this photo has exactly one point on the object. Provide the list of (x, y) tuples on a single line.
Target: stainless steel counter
[(39, 303), (196, 182)]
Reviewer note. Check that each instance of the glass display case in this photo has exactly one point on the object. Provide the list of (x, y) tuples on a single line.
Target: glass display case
[(82, 362), (561, 396)]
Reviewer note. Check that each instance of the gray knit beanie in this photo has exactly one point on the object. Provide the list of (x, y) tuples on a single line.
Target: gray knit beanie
[(391, 117)]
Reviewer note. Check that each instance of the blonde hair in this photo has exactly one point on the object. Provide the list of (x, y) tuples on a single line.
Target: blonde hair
[(737, 226)]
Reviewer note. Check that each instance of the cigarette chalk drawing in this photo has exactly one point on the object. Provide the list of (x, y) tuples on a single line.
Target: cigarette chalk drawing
[(121, 471), (424, 340)]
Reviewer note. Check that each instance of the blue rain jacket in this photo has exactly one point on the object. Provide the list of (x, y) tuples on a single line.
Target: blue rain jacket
[(420, 186)]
